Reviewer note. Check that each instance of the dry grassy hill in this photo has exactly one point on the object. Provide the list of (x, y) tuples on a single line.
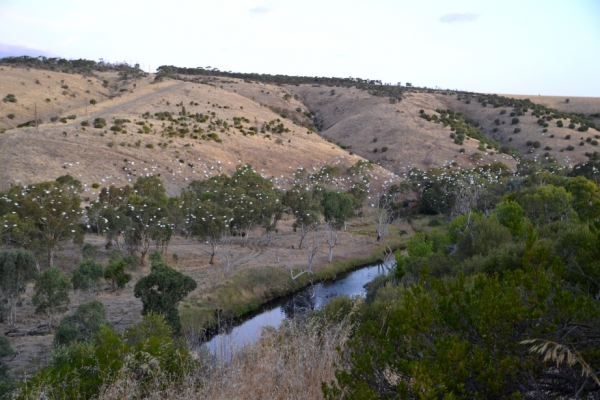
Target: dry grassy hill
[(553, 142), (180, 151), (230, 121)]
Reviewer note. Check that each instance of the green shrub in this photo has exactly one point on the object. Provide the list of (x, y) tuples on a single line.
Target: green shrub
[(82, 324), (115, 274), (515, 121), (93, 102), (87, 275), (11, 116), (99, 123), (163, 289), (517, 130), (568, 137), (146, 354), (536, 144), (570, 148), (384, 149), (10, 98), (72, 116)]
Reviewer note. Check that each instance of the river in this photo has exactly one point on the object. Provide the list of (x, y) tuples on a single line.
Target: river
[(248, 330)]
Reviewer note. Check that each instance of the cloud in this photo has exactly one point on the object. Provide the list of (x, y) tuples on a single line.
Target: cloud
[(458, 17), (8, 50), (260, 10)]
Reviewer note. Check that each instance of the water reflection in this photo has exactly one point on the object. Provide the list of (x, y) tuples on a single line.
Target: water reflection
[(248, 331)]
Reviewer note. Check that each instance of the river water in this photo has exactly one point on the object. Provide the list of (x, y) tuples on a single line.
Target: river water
[(248, 330)]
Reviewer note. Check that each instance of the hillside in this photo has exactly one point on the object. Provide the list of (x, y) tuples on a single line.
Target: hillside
[(185, 126), (180, 148)]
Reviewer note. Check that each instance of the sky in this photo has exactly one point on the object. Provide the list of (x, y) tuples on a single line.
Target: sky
[(547, 47)]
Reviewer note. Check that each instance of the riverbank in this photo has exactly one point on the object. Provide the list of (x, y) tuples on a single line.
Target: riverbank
[(253, 288)]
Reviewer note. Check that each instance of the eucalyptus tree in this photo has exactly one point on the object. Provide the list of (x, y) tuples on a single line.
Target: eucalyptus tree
[(17, 268), (306, 207), (337, 208), (48, 216)]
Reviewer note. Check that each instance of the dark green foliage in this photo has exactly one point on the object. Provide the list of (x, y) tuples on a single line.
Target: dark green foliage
[(87, 275), (10, 116), (17, 268), (81, 325), (51, 292), (517, 130), (115, 274), (461, 337), (6, 383), (337, 207), (99, 123), (10, 98), (162, 290), (514, 121), (145, 352)]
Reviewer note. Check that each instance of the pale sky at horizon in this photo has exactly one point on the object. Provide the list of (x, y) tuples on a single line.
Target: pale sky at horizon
[(531, 47)]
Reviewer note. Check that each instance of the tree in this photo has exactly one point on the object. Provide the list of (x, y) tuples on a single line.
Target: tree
[(87, 275), (17, 268), (211, 224), (305, 207), (116, 275), (147, 222), (51, 292), (162, 290), (72, 185), (510, 214), (544, 204), (82, 324), (384, 216), (586, 197), (52, 210), (337, 208)]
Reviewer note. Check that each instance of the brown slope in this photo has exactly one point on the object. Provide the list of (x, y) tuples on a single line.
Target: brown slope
[(555, 147), (59, 148), (355, 118)]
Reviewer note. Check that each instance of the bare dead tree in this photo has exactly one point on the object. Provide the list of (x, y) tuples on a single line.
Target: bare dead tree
[(331, 236), (384, 216), (311, 249), (224, 253), (466, 193)]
